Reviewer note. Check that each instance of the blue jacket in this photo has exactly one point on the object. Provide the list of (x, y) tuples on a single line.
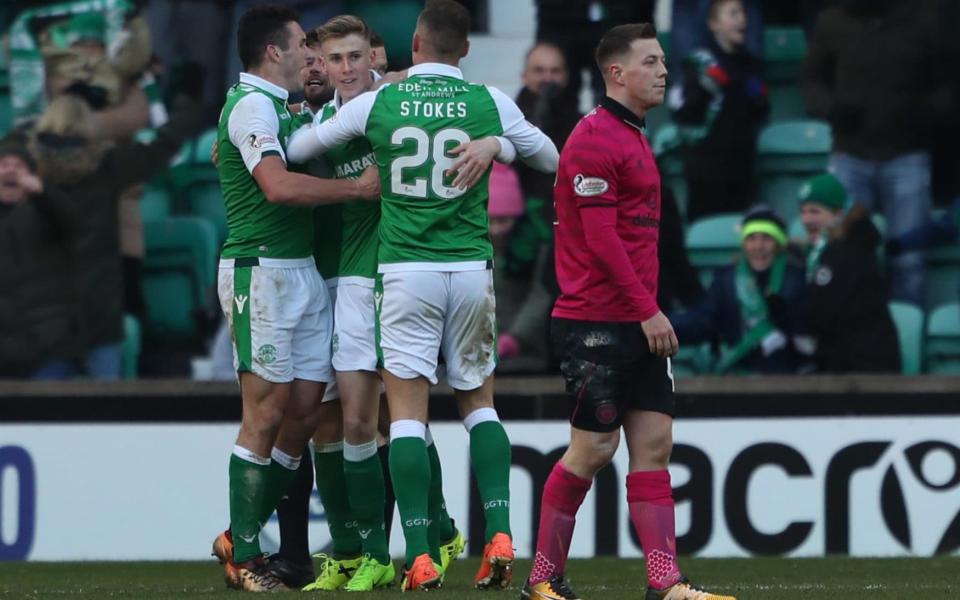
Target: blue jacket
[(717, 318)]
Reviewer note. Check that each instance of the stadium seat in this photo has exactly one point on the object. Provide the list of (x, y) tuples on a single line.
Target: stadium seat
[(943, 340), (6, 112), (155, 203), (131, 346), (179, 275), (943, 275), (784, 49), (692, 360), (908, 320), (713, 242), (204, 199), (788, 154), (394, 20)]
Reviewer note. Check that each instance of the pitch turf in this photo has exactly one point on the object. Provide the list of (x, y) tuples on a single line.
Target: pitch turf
[(595, 579)]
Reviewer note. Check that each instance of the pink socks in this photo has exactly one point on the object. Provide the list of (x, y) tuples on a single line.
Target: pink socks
[(562, 495), (651, 512)]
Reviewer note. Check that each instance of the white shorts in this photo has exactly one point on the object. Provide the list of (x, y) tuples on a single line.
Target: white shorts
[(354, 343), (280, 318), (330, 393), (425, 314)]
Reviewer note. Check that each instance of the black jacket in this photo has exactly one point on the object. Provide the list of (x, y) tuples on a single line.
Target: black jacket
[(847, 303), (39, 320), (876, 72), (727, 151)]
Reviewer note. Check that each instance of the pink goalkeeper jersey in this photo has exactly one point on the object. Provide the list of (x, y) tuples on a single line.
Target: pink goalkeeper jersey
[(607, 198)]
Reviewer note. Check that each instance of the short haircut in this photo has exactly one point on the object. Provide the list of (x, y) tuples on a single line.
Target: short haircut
[(545, 44), (616, 42), (375, 40), (263, 25), (715, 8), (448, 24), (341, 26), (313, 38)]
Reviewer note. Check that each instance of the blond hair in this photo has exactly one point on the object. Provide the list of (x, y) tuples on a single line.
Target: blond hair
[(343, 25), (67, 117)]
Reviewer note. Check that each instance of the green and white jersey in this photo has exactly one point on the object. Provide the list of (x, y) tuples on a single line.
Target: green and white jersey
[(359, 219), (255, 123), (426, 224)]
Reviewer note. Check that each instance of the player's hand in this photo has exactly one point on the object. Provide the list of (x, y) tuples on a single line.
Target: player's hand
[(368, 184), (214, 155), (475, 158), (660, 336), (32, 184)]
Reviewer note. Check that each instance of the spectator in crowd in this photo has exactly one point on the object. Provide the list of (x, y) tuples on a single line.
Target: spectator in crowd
[(38, 315), (720, 108), (575, 26), (380, 62), (689, 31), (76, 166), (847, 308), (523, 303), (874, 71), (754, 307), (545, 103)]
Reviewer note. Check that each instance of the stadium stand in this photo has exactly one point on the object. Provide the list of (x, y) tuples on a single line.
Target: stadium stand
[(788, 154), (713, 242), (943, 340), (908, 320), (132, 343), (784, 51)]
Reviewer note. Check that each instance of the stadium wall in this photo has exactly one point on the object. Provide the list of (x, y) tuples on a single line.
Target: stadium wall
[(860, 466)]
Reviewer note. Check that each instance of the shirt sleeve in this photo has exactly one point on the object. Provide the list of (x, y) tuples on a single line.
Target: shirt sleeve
[(254, 128), (530, 142), (349, 122)]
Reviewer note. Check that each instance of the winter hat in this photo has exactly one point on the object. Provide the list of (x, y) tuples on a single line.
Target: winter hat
[(824, 189), (506, 199), (762, 219)]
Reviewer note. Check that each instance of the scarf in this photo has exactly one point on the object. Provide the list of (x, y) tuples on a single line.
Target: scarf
[(753, 309)]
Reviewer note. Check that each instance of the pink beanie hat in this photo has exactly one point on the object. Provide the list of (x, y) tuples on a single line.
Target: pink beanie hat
[(506, 199)]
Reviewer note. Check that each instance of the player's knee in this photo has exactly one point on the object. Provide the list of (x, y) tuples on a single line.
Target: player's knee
[(359, 426)]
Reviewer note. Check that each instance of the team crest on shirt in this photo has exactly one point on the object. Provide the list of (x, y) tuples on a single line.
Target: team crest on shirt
[(589, 186), (259, 141)]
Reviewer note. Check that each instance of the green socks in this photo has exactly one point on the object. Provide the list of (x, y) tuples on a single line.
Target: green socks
[(410, 472), (490, 457), (280, 474), (442, 523), (365, 489), (248, 487), (332, 485)]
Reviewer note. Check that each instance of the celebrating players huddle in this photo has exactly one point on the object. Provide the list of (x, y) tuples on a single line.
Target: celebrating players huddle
[(358, 257)]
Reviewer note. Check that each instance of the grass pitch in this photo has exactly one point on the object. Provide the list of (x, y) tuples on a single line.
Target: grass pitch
[(594, 579)]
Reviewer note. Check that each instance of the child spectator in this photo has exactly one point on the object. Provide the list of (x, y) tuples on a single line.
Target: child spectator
[(720, 108)]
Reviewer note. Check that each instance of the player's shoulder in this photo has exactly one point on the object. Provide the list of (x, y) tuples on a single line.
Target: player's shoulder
[(594, 131)]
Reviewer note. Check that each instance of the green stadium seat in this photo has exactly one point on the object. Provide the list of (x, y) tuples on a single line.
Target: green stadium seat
[(394, 20), (131, 346), (713, 242), (6, 112), (155, 203), (784, 51), (908, 320), (692, 360), (788, 154), (204, 199), (943, 275), (179, 275), (943, 340), (786, 102)]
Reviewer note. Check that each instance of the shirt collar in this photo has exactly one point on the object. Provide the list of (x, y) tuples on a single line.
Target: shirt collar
[(622, 112), (338, 102), (435, 69), (263, 84)]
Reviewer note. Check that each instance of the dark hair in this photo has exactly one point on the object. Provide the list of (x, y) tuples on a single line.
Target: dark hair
[(715, 7), (375, 40), (616, 42), (447, 23), (343, 25), (313, 38), (263, 25)]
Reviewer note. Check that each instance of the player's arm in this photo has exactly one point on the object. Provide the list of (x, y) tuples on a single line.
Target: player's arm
[(533, 146), (316, 138), (253, 128), (476, 156), (594, 183)]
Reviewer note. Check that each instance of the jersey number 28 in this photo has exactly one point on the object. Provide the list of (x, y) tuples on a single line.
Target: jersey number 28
[(417, 187)]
